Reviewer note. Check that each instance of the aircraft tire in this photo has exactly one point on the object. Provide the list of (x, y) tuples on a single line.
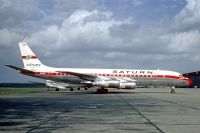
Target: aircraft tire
[(71, 89), (102, 91), (172, 91)]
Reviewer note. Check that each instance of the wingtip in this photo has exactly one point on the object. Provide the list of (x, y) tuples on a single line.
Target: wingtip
[(8, 65), (12, 66)]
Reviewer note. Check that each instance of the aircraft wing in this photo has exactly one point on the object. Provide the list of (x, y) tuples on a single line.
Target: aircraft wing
[(89, 77), (19, 69), (81, 75)]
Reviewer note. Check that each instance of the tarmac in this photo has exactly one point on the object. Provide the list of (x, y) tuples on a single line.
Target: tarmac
[(143, 110)]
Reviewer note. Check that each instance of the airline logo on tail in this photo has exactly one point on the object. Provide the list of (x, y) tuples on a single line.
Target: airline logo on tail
[(28, 57)]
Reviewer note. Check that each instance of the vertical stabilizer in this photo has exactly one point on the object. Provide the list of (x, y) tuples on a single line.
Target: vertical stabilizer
[(30, 60)]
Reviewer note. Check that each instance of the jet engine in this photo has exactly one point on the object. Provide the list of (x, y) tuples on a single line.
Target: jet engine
[(115, 84)]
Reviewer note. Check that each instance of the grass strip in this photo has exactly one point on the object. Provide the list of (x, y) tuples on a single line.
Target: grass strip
[(5, 90)]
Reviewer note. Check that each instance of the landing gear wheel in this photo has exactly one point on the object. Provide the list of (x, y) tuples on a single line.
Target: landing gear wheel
[(172, 91), (71, 89), (105, 91), (99, 91), (102, 91), (86, 88), (57, 89), (78, 88)]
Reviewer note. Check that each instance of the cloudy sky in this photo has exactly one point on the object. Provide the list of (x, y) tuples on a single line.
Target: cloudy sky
[(135, 34)]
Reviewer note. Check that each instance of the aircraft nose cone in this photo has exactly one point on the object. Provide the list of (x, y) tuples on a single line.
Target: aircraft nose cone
[(190, 82)]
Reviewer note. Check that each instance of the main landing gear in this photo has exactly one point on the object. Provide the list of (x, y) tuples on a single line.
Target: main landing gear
[(71, 89), (102, 90), (172, 90)]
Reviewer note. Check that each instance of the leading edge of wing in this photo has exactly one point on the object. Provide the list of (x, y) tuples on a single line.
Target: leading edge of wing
[(81, 75), (94, 77)]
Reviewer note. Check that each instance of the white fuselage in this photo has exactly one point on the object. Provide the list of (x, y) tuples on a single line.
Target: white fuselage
[(140, 77), (105, 78)]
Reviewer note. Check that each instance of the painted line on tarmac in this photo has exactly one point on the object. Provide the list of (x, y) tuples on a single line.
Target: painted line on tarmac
[(140, 113), (172, 102)]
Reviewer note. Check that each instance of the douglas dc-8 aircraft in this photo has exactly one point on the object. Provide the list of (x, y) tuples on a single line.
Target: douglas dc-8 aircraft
[(99, 78)]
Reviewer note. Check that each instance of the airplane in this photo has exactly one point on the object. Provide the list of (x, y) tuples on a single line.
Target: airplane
[(102, 79)]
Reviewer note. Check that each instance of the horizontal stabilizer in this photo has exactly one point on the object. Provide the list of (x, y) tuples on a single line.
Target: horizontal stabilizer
[(22, 70)]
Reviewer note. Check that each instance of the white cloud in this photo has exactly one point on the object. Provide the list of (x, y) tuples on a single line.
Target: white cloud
[(47, 36), (137, 3), (8, 38), (189, 17), (14, 13), (185, 37), (82, 30), (185, 42), (71, 5)]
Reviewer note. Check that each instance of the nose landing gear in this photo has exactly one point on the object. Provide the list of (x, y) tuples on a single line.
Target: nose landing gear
[(172, 90)]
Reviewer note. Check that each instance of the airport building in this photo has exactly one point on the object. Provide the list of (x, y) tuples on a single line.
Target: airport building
[(195, 77)]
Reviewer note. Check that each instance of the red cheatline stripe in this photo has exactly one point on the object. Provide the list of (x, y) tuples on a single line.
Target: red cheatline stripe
[(116, 75), (173, 77), (30, 57)]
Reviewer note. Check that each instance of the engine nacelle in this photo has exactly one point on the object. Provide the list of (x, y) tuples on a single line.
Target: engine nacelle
[(127, 85), (115, 84), (110, 83)]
